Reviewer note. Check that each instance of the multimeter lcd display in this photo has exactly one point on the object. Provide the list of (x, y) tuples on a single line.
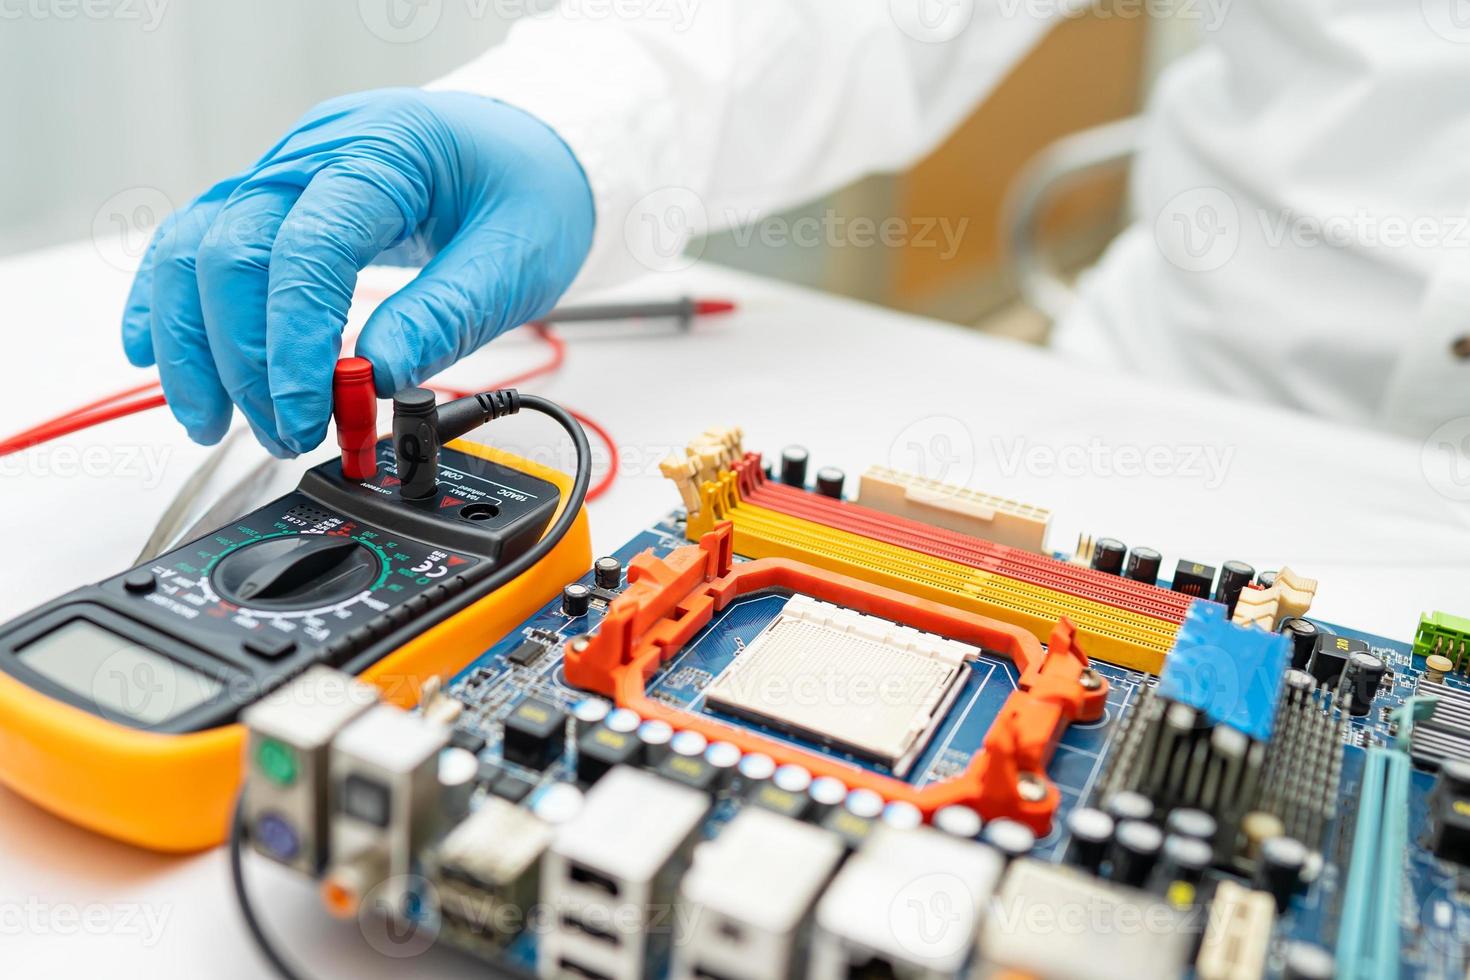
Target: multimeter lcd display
[(116, 674)]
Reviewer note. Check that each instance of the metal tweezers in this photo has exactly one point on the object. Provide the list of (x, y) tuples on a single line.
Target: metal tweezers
[(195, 510)]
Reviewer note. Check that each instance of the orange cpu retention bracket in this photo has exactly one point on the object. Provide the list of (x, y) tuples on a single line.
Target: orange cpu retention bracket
[(668, 600)]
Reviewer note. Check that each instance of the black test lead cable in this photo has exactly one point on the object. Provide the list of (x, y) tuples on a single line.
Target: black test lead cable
[(431, 426)]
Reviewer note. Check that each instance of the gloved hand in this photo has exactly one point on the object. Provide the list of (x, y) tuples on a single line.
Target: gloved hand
[(242, 296)]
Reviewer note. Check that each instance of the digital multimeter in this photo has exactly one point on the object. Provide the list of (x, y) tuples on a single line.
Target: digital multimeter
[(118, 701)]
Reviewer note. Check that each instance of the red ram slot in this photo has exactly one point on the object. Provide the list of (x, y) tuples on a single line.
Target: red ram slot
[(1086, 583)]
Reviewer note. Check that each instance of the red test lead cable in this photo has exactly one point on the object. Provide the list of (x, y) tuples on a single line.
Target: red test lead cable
[(94, 413), (352, 388)]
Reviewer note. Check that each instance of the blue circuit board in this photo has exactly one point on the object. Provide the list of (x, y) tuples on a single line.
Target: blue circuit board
[(1435, 916)]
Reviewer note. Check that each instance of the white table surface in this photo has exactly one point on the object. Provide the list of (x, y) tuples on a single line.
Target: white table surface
[(1374, 518)]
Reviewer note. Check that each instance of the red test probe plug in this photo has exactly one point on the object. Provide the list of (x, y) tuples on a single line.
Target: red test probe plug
[(355, 412)]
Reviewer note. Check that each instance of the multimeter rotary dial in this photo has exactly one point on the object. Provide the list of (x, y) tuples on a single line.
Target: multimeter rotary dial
[(299, 571)]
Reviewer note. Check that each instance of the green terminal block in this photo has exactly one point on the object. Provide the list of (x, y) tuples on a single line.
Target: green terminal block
[(1443, 634)]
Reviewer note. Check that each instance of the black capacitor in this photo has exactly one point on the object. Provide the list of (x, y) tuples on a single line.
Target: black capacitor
[(1234, 576), (1266, 579), (1143, 565), (576, 599), (1361, 676), (607, 573), (1303, 635), (1136, 847), (793, 466), (829, 482), (1189, 822), (1128, 805), (1279, 868), (1108, 554), (1091, 833), (1308, 961), (1183, 859)]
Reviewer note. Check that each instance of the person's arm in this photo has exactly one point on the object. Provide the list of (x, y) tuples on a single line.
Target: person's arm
[(597, 138), (689, 115)]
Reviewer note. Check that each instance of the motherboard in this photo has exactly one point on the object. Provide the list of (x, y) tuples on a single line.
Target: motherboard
[(804, 726)]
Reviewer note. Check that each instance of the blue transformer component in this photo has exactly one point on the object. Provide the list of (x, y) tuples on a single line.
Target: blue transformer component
[(1232, 674)]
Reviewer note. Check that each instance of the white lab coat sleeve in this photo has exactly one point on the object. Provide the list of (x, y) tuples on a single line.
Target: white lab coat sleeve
[(694, 115)]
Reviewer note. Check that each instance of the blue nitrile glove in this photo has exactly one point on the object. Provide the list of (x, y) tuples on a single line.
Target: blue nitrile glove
[(242, 295)]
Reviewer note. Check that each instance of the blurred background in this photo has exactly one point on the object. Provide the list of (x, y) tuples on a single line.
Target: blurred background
[(134, 105)]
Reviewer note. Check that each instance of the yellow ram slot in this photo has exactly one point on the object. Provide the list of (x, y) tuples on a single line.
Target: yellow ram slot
[(1119, 636)]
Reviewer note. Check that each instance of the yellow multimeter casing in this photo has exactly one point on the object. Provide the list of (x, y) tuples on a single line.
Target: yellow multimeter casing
[(175, 791)]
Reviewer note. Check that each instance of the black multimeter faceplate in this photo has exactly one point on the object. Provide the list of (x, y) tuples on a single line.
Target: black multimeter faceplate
[(337, 571)]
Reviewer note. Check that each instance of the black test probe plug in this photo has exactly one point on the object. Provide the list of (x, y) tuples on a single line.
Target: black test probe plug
[(420, 427)]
